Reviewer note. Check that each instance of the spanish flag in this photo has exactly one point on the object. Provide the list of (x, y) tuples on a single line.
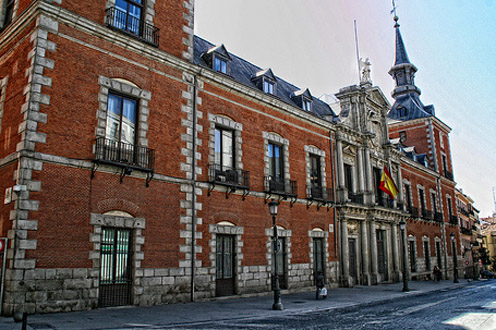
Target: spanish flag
[(387, 184)]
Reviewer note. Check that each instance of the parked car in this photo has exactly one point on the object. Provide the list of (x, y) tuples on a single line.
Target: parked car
[(487, 274)]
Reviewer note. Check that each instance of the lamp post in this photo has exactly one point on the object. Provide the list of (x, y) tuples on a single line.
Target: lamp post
[(273, 205), (455, 266), (405, 269), (473, 261)]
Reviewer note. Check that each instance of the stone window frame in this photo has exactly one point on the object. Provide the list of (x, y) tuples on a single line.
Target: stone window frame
[(226, 123), (409, 184), (312, 150), (318, 233), (3, 10), (277, 139), (413, 239), (426, 239), (450, 212), (281, 232), (121, 220), (421, 187), (148, 12), (441, 140), (227, 228), (434, 201), (438, 240), (3, 90), (123, 87)]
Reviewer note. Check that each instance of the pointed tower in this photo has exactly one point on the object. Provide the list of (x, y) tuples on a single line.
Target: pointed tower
[(407, 103)]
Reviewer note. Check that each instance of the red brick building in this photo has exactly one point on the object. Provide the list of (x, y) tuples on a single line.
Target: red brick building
[(138, 161)]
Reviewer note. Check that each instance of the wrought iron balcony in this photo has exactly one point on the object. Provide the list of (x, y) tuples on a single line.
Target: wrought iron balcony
[(283, 187), (466, 231), (320, 193), (356, 198), (448, 175), (415, 212), (427, 215), (135, 27), (399, 206), (454, 219), (124, 154), (228, 176), (438, 216)]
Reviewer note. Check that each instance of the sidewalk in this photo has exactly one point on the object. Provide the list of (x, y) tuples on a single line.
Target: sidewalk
[(222, 309)]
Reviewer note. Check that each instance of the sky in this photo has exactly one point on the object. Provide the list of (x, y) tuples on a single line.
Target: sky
[(311, 44)]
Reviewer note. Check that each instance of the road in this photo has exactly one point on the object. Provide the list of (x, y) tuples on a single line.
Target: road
[(472, 307)]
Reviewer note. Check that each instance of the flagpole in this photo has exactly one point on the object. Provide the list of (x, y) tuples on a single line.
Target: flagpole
[(357, 50)]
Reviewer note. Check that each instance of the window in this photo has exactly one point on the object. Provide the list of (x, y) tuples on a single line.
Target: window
[(402, 136), (427, 256), (438, 254), (422, 201), (408, 197), (128, 15), (224, 148), (121, 118), (434, 203), (348, 177), (315, 174), (379, 194), (402, 112), (9, 12), (220, 65), (413, 256), (450, 210), (276, 162), (268, 87), (306, 105)]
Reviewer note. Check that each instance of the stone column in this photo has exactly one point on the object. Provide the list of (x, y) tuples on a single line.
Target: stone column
[(342, 195), (396, 257), (365, 254), (345, 255), (373, 253)]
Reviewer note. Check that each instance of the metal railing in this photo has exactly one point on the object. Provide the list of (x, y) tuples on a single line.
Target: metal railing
[(119, 153), (320, 193), (415, 212), (281, 187), (427, 215), (133, 26), (448, 175), (453, 219), (228, 176), (438, 216), (356, 198)]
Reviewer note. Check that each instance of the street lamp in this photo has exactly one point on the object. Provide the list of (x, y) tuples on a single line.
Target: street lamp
[(455, 265), (405, 271), (473, 261), (273, 205)]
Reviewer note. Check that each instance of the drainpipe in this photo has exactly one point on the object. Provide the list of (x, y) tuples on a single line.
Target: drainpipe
[(193, 194), (443, 227), (333, 171)]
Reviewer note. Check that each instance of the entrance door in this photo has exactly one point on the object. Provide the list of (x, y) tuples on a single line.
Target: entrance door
[(116, 257), (353, 260), (224, 260), (318, 256), (381, 255), (282, 264)]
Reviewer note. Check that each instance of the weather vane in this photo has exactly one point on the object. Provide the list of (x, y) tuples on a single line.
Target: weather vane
[(394, 8)]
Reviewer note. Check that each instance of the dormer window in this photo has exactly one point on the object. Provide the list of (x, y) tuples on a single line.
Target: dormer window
[(402, 112), (306, 105), (303, 99), (268, 87), (266, 81), (217, 58), (220, 65)]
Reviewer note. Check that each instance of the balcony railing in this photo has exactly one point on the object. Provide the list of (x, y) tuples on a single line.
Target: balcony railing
[(119, 153), (228, 176), (135, 27), (356, 198), (466, 231), (453, 219), (448, 175), (438, 216), (427, 215), (414, 212), (281, 187), (320, 193)]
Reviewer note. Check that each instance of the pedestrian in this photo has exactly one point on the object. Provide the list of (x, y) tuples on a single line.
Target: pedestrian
[(436, 274), (320, 283)]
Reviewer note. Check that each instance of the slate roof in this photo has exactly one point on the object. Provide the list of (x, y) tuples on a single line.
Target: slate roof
[(414, 107), (243, 71), (401, 55)]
